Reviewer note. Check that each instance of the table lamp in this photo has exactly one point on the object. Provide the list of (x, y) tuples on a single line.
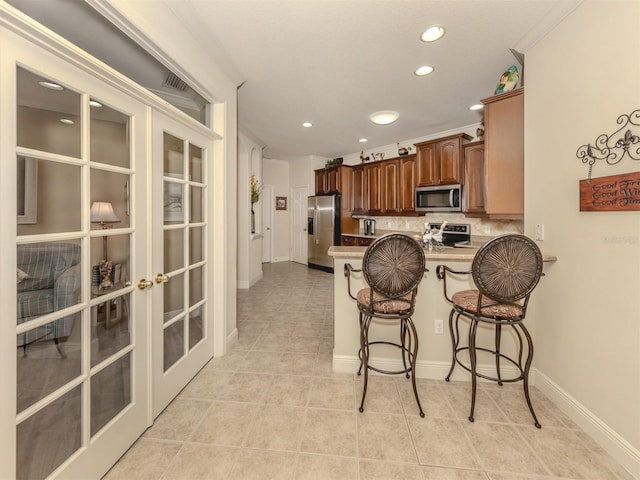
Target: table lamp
[(102, 213)]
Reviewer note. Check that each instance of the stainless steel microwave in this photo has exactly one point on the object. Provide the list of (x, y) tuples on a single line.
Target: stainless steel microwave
[(439, 198)]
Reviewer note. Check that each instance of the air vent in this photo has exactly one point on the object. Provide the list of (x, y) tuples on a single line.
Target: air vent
[(174, 81)]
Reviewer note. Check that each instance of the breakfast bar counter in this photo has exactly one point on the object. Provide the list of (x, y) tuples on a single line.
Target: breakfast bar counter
[(434, 354)]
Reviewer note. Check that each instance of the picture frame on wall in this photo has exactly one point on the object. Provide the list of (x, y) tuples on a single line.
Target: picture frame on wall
[(281, 203), (27, 186), (173, 206)]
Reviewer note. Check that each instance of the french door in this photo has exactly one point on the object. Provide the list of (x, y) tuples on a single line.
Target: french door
[(182, 340), (74, 340)]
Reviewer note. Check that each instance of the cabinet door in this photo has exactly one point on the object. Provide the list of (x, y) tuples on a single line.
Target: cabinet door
[(428, 171), (450, 165), (348, 241), (320, 182), (390, 182), (332, 182), (357, 189), (473, 197), (373, 182), (406, 190)]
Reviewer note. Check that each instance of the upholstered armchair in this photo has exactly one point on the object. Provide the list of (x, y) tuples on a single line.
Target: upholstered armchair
[(48, 281)]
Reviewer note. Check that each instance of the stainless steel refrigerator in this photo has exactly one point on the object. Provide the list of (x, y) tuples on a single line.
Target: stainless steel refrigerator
[(323, 228)]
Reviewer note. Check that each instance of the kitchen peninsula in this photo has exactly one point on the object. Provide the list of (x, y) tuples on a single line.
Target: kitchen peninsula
[(434, 355)]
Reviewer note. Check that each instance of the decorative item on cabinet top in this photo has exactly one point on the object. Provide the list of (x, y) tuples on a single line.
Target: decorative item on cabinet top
[(334, 162), (508, 80), (403, 150)]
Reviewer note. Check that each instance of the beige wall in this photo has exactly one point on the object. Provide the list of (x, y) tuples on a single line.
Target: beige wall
[(586, 312)]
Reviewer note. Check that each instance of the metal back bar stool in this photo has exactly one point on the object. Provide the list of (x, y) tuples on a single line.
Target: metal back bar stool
[(505, 271), (392, 266)]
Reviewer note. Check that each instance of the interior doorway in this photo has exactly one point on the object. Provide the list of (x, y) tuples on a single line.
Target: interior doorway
[(267, 201)]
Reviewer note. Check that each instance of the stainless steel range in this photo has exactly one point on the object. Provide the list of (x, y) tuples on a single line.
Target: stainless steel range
[(453, 233)]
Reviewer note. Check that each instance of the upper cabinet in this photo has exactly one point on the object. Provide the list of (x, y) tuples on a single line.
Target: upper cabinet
[(439, 161), (473, 191), (338, 180), (358, 189), (504, 155)]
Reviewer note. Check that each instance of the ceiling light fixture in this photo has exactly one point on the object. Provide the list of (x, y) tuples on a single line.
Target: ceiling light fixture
[(477, 106), (432, 34), (50, 85), (307, 124), (384, 117), (424, 70), (67, 121), (363, 140), (94, 103)]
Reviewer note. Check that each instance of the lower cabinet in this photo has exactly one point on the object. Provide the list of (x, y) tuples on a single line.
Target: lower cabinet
[(354, 241)]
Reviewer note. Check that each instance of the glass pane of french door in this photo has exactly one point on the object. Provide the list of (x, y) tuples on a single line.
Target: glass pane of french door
[(77, 375), (181, 336)]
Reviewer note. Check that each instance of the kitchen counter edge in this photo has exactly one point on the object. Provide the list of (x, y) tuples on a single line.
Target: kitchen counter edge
[(447, 254)]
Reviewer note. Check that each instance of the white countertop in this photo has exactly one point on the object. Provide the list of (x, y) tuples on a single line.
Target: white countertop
[(435, 255)]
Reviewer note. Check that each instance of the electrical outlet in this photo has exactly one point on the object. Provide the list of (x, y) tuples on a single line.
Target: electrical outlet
[(540, 231), (438, 327)]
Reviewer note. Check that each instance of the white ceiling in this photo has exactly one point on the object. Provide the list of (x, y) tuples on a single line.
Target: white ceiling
[(334, 62)]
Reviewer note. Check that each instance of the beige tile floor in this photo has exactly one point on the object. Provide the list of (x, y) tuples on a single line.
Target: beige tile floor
[(273, 409)]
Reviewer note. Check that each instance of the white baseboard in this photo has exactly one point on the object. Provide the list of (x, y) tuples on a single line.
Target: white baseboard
[(626, 454), (244, 284), (232, 339), (429, 370), (621, 450), (280, 259)]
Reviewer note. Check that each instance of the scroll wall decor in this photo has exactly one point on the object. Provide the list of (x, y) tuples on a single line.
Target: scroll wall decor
[(616, 192)]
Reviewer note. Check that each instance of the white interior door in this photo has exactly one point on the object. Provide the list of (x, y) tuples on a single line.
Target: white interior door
[(299, 238), (182, 338), (267, 201), (75, 390)]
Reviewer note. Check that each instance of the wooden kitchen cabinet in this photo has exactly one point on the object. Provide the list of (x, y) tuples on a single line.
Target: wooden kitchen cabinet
[(473, 191), (391, 183), (504, 155), (358, 190), (407, 185), (439, 161), (338, 180), (354, 241), (373, 186)]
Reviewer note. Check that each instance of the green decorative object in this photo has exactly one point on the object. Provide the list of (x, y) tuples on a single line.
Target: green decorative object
[(508, 80)]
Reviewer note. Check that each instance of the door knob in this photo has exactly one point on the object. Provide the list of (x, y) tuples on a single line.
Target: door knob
[(144, 283), (162, 278)]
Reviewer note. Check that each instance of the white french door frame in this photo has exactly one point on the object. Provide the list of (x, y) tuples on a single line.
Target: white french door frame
[(99, 451), (167, 384)]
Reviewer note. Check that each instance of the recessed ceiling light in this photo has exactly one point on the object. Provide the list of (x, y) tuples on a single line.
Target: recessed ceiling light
[(477, 106), (50, 85), (307, 124), (94, 103), (432, 34), (424, 70), (363, 140), (384, 117), (67, 121)]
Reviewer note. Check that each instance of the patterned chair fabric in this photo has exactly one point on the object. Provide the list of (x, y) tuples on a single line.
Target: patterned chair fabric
[(52, 284)]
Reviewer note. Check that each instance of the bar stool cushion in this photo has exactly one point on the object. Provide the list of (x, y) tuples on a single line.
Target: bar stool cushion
[(467, 300), (382, 304)]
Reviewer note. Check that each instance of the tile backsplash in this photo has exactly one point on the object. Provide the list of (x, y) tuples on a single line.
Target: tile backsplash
[(479, 226)]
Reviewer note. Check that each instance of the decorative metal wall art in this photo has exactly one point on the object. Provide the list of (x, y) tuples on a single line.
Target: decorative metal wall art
[(614, 147)]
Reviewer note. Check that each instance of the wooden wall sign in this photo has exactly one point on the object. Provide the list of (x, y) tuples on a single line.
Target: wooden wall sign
[(610, 194)]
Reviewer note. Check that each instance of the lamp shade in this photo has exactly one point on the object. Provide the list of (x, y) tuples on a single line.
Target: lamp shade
[(102, 212)]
